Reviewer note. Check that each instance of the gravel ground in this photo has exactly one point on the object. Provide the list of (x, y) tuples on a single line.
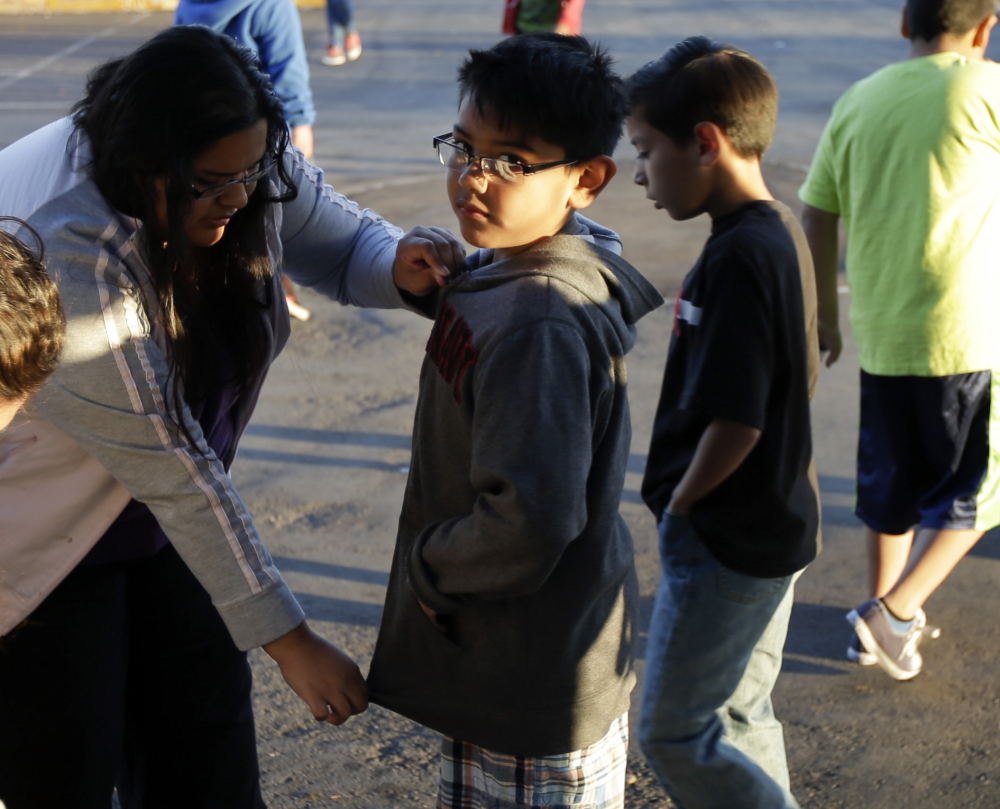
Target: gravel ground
[(324, 463)]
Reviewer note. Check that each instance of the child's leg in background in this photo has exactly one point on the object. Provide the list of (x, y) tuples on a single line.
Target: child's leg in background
[(592, 778), (340, 21)]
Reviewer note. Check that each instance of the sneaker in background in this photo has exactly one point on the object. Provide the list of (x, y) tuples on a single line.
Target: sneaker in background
[(856, 652), (896, 654), (353, 46), (334, 56)]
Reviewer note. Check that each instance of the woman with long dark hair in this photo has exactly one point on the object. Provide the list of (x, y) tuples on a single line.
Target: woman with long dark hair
[(132, 578)]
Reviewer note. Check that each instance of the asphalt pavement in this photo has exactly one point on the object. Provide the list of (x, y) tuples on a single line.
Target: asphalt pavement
[(324, 462)]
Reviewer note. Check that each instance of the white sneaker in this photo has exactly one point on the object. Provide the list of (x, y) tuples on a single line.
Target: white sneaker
[(352, 45), (856, 652), (334, 56), (897, 654)]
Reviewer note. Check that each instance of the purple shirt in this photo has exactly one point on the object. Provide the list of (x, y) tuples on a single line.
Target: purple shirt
[(136, 533)]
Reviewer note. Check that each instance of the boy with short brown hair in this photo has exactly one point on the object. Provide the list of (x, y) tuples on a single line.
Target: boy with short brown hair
[(31, 323), (730, 473)]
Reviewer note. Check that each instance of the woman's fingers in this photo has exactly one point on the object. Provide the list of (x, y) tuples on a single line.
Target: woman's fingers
[(327, 679), (425, 257)]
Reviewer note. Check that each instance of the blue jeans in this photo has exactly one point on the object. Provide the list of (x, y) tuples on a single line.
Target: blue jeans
[(340, 21), (714, 653)]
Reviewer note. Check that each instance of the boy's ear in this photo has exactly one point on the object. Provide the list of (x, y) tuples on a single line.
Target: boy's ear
[(983, 31), (904, 26), (592, 177), (708, 139)]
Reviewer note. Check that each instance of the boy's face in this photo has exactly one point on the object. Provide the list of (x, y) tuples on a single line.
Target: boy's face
[(509, 218), (673, 175), (8, 409)]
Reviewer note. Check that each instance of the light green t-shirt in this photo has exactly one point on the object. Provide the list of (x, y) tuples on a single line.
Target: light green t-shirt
[(910, 159)]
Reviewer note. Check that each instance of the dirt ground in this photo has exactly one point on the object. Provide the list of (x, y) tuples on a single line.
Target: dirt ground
[(324, 462)]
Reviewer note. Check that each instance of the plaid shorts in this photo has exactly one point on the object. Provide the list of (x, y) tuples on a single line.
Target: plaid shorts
[(592, 778)]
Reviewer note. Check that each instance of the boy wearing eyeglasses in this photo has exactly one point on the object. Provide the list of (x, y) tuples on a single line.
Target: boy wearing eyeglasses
[(512, 602)]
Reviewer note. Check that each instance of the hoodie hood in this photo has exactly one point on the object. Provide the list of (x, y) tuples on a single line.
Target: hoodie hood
[(215, 14), (585, 256)]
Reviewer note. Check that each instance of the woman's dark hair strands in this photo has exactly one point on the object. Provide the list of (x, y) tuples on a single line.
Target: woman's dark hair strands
[(147, 117)]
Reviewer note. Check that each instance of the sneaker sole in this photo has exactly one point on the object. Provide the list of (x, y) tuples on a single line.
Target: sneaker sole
[(333, 62), (888, 665)]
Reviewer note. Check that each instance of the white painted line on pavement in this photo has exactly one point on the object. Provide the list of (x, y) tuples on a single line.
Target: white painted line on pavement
[(83, 43), (35, 105)]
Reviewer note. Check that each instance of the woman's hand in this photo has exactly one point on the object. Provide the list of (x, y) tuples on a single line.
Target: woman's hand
[(425, 257), (327, 679)]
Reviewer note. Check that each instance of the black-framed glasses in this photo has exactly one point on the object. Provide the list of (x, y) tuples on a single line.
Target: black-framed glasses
[(455, 157), (249, 180)]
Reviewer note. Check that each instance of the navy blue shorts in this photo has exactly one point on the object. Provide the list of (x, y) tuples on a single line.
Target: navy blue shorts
[(924, 453)]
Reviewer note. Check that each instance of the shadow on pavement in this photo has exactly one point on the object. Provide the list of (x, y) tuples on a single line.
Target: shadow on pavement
[(339, 610), (989, 546), (385, 440), (320, 460), (817, 631), (287, 564)]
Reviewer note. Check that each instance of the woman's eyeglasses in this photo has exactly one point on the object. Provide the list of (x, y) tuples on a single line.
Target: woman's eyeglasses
[(249, 180)]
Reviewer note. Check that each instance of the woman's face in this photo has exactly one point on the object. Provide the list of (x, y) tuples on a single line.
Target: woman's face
[(229, 158)]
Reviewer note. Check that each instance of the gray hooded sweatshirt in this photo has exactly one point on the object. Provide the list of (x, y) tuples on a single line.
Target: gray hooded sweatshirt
[(510, 527)]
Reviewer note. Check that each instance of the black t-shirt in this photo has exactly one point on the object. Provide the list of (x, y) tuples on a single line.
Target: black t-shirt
[(745, 348)]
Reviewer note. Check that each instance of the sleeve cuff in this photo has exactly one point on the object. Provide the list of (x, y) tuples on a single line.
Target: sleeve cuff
[(820, 203), (302, 119), (261, 618), (386, 289)]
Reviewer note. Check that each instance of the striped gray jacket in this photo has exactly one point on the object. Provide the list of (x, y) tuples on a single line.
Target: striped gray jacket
[(99, 432)]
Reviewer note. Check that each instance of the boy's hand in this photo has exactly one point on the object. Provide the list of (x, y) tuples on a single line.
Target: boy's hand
[(425, 257), (722, 448), (440, 627), (830, 340), (327, 679), (678, 507)]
